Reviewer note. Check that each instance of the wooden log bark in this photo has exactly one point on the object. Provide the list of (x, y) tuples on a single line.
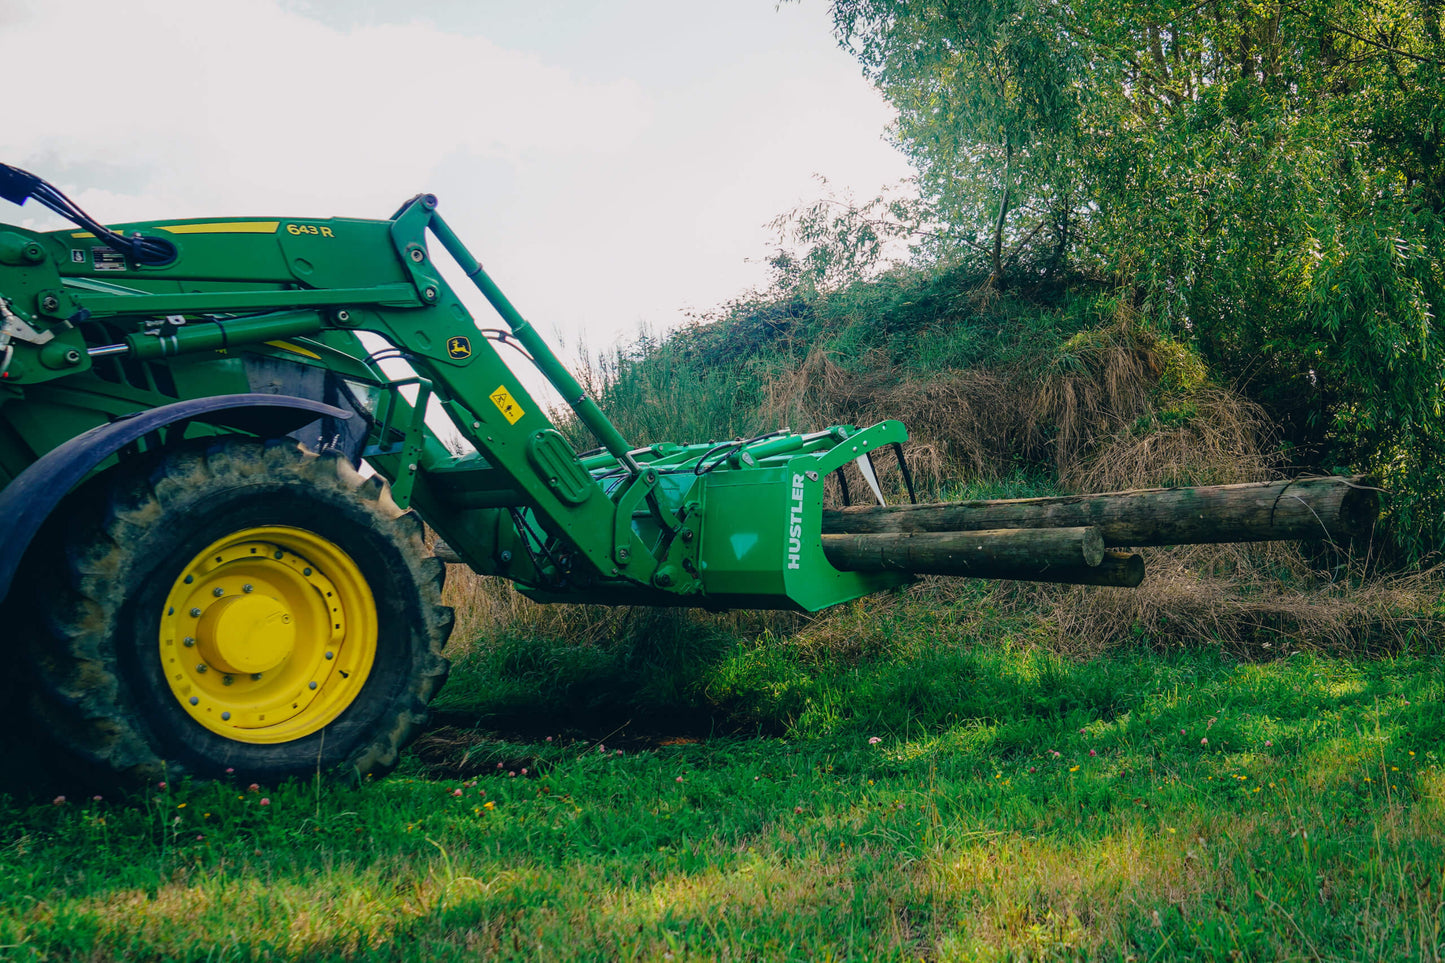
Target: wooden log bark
[(986, 554), (1306, 508), (1122, 569)]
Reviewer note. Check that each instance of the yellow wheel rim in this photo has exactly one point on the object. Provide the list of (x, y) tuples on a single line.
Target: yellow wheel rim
[(268, 635)]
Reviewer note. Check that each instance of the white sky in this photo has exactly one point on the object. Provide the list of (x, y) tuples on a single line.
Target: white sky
[(611, 162)]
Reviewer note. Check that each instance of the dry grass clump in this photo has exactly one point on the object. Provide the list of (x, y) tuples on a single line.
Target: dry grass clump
[(1102, 380), (1223, 439), (961, 422), (1254, 600), (1115, 408)]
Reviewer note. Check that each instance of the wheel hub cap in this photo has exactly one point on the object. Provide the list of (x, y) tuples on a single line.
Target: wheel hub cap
[(268, 635), (246, 633)]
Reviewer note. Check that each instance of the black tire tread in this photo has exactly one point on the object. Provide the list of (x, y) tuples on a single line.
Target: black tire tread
[(78, 699)]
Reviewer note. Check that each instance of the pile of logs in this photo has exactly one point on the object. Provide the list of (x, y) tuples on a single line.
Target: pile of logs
[(1078, 538)]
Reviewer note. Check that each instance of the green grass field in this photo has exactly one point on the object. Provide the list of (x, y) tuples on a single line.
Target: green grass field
[(927, 794)]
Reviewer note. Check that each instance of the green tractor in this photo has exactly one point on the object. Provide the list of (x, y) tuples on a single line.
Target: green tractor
[(212, 492)]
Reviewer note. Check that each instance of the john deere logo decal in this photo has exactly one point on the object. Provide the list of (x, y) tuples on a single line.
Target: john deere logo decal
[(459, 348)]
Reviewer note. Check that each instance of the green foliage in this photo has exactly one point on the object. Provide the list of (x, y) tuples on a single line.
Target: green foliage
[(1266, 180)]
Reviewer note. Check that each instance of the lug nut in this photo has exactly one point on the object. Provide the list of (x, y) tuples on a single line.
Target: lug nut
[(218, 592), (255, 677), (248, 588), (195, 701), (188, 641), (49, 303), (226, 680), (330, 656), (201, 667), (225, 717), (195, 613), (311, 685)]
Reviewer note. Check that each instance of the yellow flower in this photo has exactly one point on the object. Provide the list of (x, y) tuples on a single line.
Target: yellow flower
[(1073, 769), (489, 805)]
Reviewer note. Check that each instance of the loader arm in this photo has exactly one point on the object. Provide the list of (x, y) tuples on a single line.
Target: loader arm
[(704, 524)]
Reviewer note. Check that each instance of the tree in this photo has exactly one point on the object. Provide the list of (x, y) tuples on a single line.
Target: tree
[(987, 112)]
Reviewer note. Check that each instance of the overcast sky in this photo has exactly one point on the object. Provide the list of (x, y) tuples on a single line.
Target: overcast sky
[(611, 162)]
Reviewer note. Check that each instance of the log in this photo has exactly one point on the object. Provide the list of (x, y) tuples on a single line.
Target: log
[(1307, 508), (999, 553), (1122, 569)]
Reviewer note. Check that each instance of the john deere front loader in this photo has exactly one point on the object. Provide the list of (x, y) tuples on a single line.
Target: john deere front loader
[(212, 491)]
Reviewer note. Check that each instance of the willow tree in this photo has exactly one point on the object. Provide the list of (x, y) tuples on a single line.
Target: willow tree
[(987, 111)]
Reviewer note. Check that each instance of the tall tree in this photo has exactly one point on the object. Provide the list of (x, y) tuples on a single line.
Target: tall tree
[(985, 109)]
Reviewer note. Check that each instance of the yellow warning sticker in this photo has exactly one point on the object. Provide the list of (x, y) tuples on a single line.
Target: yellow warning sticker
[(507, 405)]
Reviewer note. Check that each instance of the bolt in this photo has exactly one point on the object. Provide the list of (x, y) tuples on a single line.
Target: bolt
[(188, 642), (411, 467), (201, 667), (195, 613), (255, 677), (476, 424), (311, 685), (430, 294), (189, 579), (687, 535), (72, 356), (49, 303), (330, 656), (226, 680), (417, 255), (306, 571), (218, 592), (195, 701), (248, 588), (343, 316), (278, 554), (505, 556), (171, 610), (225, 717)]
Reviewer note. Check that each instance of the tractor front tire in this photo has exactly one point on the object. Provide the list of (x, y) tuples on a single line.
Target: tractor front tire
[(242, 609)]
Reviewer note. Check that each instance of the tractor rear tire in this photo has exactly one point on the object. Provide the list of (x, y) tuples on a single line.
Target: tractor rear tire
[(241, 609)]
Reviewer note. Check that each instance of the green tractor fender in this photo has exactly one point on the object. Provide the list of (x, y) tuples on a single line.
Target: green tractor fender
[(28, 500)]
